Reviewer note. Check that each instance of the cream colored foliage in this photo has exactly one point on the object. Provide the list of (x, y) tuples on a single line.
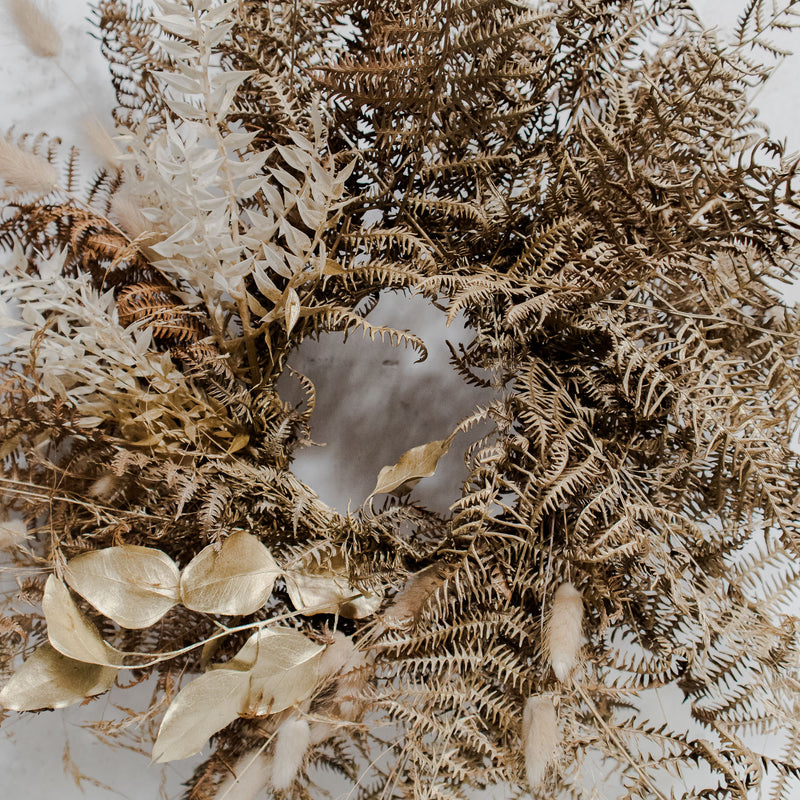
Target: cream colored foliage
[(191, 180), (70, 632), (85, 357), (134, 586), (49, 679), (325, 589), (275, 669), (235, 577)]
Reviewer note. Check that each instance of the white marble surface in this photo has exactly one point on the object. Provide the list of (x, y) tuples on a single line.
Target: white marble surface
[(365, 422)]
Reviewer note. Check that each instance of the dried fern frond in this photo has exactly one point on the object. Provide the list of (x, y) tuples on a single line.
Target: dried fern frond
[(588, 188)]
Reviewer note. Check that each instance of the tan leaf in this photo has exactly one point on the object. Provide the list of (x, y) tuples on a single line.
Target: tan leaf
[(332, 267), (291, 310), (201, 708), (134, 586), (49, 679), (415, 464), (325, 589), (70, 632), (283, 668), (236, 579), (239, 441)]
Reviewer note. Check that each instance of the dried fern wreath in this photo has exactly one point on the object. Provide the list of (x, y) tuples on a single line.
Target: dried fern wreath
[(583, 182)]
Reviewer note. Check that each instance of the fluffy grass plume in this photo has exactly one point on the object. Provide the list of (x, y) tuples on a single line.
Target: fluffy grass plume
[(102, 144), (250, 776), (340, 656), (291, 744), (24, 172), (126, 213), (412, 598), (36, 29), (540, 737), (564, 630)]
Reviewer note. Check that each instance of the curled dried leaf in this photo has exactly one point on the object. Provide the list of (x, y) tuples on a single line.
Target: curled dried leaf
[(417, 463), (237, 578), (134, 586), (70, 632), (326, 589), (49, 679), (283, 666)]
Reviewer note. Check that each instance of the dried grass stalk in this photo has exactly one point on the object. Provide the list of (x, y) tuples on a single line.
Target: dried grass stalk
[(35, 27)]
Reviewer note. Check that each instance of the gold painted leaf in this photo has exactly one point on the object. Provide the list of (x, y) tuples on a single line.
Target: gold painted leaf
[(283, 667), (325, 589), (70, 632), (134, 586), (201, 708), (417, 463), (49, 679), (235, 579), (274, 670)]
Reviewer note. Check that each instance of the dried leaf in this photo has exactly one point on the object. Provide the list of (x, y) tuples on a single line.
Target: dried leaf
[(240, 441), (327, 590), (283, 666), (236, 579), (202, 707), (134, 586), (331, 267), (49, 679), (274, 670), (417, 463), (291, 310), (70, 632)]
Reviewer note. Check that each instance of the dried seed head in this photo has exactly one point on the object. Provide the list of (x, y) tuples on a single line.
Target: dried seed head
[(125, 212), (105, 487), (291, 743), (341, 656), (564, 630), (101, 142), (25, 172), (540, 737), (251, 775), (410, 602), (348, 670), (35, 28)]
